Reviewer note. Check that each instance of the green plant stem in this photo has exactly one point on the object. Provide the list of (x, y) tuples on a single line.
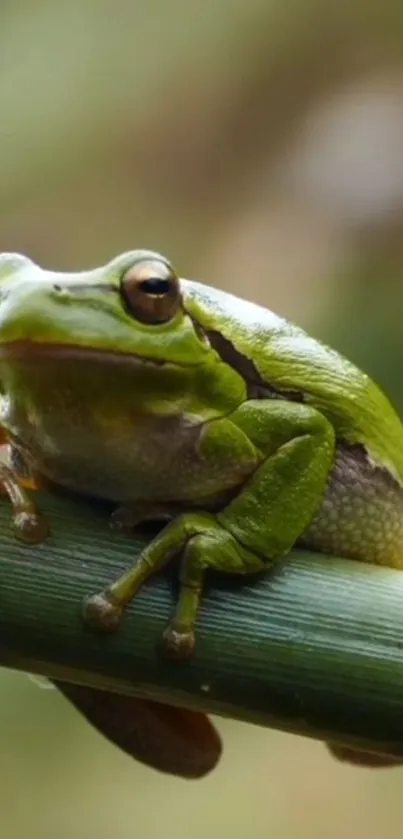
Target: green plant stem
[(313, 647)]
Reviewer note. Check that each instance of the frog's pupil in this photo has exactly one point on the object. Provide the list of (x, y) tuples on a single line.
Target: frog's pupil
[(155, 285)]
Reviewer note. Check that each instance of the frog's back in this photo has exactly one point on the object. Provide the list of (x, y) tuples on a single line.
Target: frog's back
[(290, 361)]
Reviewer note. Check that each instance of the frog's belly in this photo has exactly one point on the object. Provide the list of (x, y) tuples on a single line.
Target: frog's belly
[(361, 516), (160, 462)]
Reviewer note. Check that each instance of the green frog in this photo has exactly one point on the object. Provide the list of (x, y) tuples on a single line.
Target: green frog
[(174, 400)]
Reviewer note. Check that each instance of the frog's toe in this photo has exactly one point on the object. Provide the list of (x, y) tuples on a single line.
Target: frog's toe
[(178, 642), (30, 527), (101, 613)]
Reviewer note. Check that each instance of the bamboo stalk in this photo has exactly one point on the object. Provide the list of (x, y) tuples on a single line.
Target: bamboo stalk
[(313, 647)]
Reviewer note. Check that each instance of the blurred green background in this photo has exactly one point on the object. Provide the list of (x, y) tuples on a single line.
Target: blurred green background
[(260, 146)]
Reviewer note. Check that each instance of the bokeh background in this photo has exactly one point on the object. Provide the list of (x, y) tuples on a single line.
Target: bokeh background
[(259, 145)]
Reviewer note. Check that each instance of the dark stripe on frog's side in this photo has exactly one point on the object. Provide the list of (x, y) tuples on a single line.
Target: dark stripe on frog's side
[(257, 387)]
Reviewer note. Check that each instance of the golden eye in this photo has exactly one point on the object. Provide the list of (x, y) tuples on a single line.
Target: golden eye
[(150, 291)]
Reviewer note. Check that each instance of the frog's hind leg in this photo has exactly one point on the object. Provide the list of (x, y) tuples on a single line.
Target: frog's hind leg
[(291, 455), (204, 544)]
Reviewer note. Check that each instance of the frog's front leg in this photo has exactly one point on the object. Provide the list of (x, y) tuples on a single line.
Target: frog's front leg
[(294, 446), (29, 525)]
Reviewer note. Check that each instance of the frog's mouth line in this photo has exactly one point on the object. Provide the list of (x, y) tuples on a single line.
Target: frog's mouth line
[(26, 350)]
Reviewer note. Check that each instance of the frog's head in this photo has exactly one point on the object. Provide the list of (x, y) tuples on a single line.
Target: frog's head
[(134, 307)]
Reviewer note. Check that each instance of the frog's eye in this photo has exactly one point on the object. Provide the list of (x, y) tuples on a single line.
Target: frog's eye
[(150, 291)]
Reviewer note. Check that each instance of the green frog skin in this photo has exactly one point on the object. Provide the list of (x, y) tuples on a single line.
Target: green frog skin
[(175, 400)]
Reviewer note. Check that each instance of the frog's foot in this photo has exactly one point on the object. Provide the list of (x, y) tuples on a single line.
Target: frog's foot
[(29, 525), (204, 544), (178, 642), (102, 613)]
